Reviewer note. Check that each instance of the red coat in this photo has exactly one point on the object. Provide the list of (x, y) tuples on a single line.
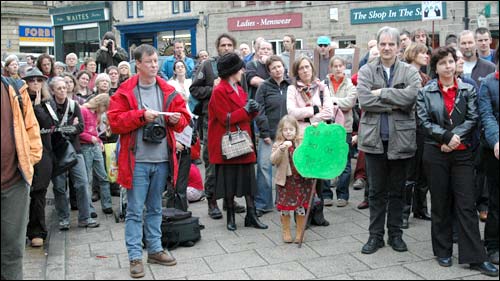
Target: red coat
[(125, 118), (224, 100)]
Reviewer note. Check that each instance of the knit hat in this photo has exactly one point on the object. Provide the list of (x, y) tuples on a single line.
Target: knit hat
[(34, 73), (229, 64), (323, 40), (124, 63), (109, 35)]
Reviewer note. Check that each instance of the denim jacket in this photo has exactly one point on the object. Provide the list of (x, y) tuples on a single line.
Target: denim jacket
[(488, 108)]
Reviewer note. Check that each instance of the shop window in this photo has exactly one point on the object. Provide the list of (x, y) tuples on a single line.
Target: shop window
[(278, 45), (39, 3), (175, 7), (82, 42), (130, 9), (251, 3), (166, 42), (140, 9), (187, 6)]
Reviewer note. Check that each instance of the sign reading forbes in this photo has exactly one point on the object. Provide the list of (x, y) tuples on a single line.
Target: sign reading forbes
[(389, 14), (264, 22)]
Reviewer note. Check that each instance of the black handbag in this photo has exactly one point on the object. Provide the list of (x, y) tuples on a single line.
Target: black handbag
[(65, 158), (235, 144)]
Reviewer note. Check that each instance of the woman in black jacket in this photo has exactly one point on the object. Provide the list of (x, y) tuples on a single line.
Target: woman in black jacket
[(272, 96), (69, 125), (448, 114), (40, 96)]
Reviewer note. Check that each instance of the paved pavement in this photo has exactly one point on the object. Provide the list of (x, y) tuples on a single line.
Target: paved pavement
[(332, 252)]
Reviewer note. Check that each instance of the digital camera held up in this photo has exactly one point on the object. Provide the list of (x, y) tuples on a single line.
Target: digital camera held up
[(154, 133)]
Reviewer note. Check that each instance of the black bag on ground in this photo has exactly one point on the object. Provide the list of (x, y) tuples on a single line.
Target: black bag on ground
[(184, 232)]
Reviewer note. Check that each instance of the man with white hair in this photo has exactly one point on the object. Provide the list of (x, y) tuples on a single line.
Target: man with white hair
[(71, 63), (256, 70)]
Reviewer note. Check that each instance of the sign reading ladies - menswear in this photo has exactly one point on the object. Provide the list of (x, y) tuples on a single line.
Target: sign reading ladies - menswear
[(80, 17), (390, 14), (264, 22), (29, 33)]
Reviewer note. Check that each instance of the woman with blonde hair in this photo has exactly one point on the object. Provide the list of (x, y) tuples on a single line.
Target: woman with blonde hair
[(92, 148)]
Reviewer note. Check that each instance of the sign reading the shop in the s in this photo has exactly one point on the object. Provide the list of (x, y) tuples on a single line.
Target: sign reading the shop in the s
[(264, 22), (79, 17), (389, 14), (36, 33)]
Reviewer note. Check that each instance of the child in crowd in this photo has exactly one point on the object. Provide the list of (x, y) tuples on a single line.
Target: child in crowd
[(293, 190), (195, 185)]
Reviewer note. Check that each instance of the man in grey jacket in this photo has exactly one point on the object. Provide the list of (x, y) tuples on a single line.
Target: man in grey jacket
[(387, 92)]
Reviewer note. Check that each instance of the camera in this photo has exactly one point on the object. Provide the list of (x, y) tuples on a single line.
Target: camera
[(110, 45), (154, 133)]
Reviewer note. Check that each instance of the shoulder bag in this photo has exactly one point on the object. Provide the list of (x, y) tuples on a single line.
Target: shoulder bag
[(235, 144)]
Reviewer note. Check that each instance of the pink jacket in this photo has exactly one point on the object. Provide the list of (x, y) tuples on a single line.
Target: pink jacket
[(90, 128)]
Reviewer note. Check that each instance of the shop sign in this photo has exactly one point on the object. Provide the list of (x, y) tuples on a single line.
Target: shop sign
[(29, 33), (389, 14), (79, 17), (265, 22)]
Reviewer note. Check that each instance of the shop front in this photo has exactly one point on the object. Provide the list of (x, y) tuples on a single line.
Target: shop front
[(161, 35), (78, 29), (37, 38)]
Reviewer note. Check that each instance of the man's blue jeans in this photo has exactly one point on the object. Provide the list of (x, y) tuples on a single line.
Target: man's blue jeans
[(94, 161), (264, 196), (148, 184), (80, 182)]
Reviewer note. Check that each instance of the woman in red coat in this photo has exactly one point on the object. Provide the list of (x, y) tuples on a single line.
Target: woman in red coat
[(234, 177)]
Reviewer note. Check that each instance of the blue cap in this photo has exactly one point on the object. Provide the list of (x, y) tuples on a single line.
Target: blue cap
[(323, 40)]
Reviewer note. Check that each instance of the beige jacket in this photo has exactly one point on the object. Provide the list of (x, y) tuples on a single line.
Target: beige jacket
[(281, 160), (345, 98)]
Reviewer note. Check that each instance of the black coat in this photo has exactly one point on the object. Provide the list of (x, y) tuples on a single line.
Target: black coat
[(273, 98), (438, 127)]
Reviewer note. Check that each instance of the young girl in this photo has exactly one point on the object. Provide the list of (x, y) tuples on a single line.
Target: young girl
[(293, 190)]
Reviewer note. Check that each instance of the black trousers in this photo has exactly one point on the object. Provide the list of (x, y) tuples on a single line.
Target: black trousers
[(41, 180), (451, 182), (177, 198), (209, 168), (491, 228), (386, 179), (417, 201)]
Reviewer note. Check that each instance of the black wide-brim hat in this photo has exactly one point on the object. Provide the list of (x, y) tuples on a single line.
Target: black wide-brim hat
[(229, 64)]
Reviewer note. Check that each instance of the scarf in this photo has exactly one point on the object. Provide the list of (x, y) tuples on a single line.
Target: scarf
[(307, 91)]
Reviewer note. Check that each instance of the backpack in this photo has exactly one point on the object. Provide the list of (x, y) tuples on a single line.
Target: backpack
[(16, 85), (194, 104)]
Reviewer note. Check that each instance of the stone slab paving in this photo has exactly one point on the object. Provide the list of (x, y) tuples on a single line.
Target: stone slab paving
[(328, 253)]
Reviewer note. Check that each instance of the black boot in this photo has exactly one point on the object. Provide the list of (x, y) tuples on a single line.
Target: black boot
[(213, 209), (237, 207), (251, 219), (231, 223)]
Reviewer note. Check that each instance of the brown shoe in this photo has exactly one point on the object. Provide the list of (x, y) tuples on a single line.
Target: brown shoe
[(162, 257), (483, 216), (136, 269)]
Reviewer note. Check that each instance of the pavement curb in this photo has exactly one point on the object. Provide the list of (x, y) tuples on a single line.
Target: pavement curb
[(56, 259)]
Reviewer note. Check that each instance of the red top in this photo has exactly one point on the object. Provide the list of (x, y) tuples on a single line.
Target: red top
[(449, 102), (336, 83), (225, 100), (195, 179), (354, 79), (90, 128)]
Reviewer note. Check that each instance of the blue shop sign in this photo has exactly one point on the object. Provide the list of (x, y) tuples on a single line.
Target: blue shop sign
[(36, 33), (389, 14)]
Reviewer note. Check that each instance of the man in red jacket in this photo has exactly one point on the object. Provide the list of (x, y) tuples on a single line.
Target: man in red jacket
[(146, 111)]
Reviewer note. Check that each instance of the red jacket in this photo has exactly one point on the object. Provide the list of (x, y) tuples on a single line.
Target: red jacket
[(125, 118), (224, 100)]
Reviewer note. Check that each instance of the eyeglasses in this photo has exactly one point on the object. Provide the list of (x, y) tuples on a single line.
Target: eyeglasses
[(39, 80), (323, 45)]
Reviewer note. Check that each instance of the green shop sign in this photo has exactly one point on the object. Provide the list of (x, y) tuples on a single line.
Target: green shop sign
[(79, 17), (389, 14)]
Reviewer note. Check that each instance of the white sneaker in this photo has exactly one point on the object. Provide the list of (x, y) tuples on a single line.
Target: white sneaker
[(328, 202)]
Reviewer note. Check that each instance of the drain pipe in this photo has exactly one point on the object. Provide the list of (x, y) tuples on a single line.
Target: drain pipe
[(466, 15)]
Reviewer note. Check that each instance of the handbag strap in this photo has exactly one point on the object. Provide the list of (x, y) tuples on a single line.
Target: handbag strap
[(228, 127)]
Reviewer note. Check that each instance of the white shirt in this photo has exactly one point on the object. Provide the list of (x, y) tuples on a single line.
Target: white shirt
[(468, 66), (183, 91)]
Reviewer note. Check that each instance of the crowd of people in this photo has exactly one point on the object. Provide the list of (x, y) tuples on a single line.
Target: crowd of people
[(417, 119)]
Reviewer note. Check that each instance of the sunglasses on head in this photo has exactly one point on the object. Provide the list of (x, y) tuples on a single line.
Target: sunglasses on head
[(39, 80), (323, 45)]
